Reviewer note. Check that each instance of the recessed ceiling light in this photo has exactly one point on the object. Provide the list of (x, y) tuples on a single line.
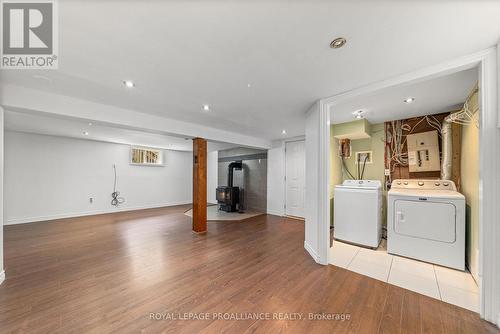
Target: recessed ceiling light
[(206, 107), (90, 124), (338, 43), (283, 132), (86, 133), (409, 100), (129, 83), (249, 85)]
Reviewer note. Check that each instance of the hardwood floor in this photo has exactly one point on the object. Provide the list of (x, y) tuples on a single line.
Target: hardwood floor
[(108, 273)]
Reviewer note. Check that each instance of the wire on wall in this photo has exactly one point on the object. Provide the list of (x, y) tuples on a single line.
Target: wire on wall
[(396, 139), (364, 165), (344, 167), (115, 195)]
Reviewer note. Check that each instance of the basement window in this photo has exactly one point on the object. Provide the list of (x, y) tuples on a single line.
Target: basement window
[(146, 156)]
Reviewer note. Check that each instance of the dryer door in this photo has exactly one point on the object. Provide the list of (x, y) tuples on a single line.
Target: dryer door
[(426, 220)]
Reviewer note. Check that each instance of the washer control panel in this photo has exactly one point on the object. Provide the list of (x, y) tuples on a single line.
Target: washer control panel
[(363, 183), (424, 184)]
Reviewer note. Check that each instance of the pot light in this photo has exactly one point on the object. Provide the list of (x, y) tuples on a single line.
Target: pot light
[(283, 132), (85, 133), (90, 124), (337, 43), (206, 107), (129, 83), (409, 100)]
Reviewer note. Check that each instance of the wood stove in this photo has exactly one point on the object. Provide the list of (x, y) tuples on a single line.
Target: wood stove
[(228, 197)]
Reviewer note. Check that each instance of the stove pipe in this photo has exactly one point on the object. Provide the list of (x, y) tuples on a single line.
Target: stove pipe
[(238, 165)]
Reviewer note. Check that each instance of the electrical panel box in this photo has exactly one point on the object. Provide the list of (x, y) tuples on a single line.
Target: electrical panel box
[(423, 152)]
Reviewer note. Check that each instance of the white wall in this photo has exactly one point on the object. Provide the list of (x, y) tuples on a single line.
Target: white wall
[(2, 272), (49, 177), (312, 181), (212, 170)]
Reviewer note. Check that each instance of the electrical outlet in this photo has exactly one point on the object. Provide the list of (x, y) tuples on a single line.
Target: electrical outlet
[(387, 172), (91, 200)]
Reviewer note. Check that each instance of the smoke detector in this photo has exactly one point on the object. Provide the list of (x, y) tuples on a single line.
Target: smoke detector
[(358, 114)]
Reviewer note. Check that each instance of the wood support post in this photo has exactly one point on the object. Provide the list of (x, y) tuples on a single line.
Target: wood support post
[(199, 185)]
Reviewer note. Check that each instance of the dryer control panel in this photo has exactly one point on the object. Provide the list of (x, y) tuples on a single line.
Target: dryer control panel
[(424, 184)]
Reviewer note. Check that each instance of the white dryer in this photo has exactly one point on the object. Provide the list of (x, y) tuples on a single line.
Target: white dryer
[(358, 212), (426, 221)]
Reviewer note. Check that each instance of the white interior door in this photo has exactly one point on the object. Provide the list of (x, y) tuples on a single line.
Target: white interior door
[(295, 175)]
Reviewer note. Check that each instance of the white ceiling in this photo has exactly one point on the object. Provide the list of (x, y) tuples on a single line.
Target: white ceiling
[(431, 97), (74, 128), (183, 54)]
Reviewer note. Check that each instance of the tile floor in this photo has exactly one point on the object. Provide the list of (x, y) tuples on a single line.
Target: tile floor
[(451, 286)]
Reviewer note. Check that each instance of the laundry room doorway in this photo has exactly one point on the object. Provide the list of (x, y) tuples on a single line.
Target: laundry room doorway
[(318, 127), (420, 143)]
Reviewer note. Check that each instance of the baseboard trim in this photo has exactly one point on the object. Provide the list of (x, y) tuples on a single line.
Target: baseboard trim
[(311, 251), (302, 219), (2, 276), (275, 213), (27, 220)]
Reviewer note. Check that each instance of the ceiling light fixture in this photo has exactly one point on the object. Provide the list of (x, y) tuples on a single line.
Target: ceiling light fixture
[(206, 107), (337, 43), (358, 114), (409, 100), (90, 124), (86, 133), (129, 83), (283, 132)]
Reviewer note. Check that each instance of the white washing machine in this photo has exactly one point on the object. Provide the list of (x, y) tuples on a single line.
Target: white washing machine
[(358, 212), (426, 221)]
